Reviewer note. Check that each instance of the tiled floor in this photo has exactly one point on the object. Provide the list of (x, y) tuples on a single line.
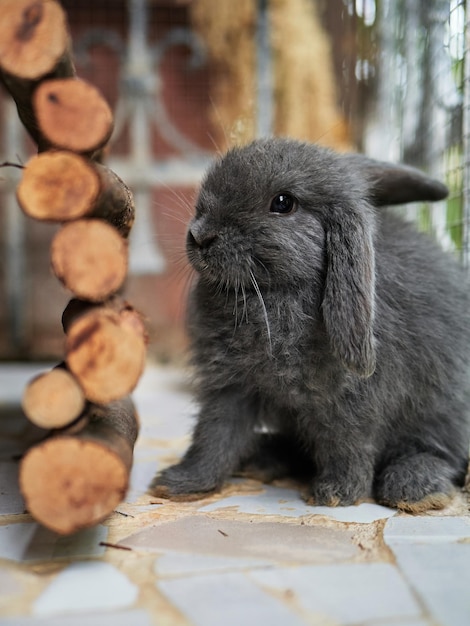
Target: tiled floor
[(253, 554)]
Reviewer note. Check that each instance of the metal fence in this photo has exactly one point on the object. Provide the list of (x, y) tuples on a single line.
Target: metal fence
[(414, 63)]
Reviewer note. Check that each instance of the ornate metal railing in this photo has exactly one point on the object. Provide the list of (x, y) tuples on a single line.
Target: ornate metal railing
[(141, 108)]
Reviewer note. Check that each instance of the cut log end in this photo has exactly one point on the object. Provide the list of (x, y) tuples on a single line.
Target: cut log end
[(70, 483), (58, 186), (106, 354), (33, 37), (90, 258), (73, 115), (53, 399)]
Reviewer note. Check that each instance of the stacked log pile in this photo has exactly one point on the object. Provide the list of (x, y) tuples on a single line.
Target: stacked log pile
[(80, 472)]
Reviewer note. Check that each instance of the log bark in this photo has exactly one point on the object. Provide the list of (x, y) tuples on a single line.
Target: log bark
[(76, 308), (73, 481), (60, 186), (115, 202), (53, 399), (90, 258), (105, 351), (127, 313), (72, 115), (34, 43)]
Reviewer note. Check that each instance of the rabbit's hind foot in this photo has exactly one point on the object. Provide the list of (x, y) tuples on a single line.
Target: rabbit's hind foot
[(416, 483)]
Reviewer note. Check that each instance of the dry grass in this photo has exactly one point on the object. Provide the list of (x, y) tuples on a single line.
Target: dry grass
[(306, 105)]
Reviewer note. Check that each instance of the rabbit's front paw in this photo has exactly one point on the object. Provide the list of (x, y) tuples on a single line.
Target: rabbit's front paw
[(416, 483), (338, 491), (179, 482)]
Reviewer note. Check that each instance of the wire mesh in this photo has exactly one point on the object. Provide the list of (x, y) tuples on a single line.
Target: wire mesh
[(415, 66)]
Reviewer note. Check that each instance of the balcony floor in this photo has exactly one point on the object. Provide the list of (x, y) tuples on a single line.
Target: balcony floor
[(251, 554)]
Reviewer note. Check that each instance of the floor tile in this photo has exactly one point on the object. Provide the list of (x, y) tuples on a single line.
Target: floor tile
[(101, 587), (11, 500), (251, 555), (348, 593), (15, 539), (12, 419), (174, 564), (17, 434), (426, 529), (84, 543), (31, 542), (262, 540), (440, 573), (168, 379), (11, 449), (121, 618), (14, 376), (164, 416), (165, 407), (403, 622), (140, 478), (288, 502), (228, 599), (8, 585)]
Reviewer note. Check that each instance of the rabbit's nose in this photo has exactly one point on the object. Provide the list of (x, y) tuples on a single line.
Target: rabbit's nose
[(201, 237)]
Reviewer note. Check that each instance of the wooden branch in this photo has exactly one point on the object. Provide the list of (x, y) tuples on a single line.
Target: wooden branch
[(75, 478), (34, 43), (73, 481), (72, 115), (53, 399), (59, 186), (90, 258), (116, 202), (78, 307), (105, 351)]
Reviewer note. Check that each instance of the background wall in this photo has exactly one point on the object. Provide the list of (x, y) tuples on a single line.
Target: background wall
[(189, 78)]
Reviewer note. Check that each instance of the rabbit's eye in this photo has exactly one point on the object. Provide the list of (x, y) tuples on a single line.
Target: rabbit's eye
[(283, 203)]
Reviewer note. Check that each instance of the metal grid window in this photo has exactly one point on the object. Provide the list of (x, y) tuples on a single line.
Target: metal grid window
[(415, 64)]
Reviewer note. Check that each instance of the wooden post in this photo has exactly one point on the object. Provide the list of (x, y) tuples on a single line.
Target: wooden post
[(90, 258), (105, 351), (53, 399), (72, 114), (77, 476), (34, 43), (75, 480), (59, 186)]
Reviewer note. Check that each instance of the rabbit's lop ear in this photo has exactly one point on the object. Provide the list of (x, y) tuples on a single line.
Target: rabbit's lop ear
[(396, 184), (349, 296)]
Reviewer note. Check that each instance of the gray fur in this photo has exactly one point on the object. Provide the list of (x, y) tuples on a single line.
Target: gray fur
[(338, 327)]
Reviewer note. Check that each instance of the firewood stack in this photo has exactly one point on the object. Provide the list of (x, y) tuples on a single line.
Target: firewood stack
[(80, 473)]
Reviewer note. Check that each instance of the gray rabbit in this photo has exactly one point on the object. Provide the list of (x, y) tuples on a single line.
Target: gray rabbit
[(330, 340)]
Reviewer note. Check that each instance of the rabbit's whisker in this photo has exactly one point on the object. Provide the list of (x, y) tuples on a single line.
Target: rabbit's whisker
[(263, 306), (245, 307), (264, 268), (236, 289), (235, 304)]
